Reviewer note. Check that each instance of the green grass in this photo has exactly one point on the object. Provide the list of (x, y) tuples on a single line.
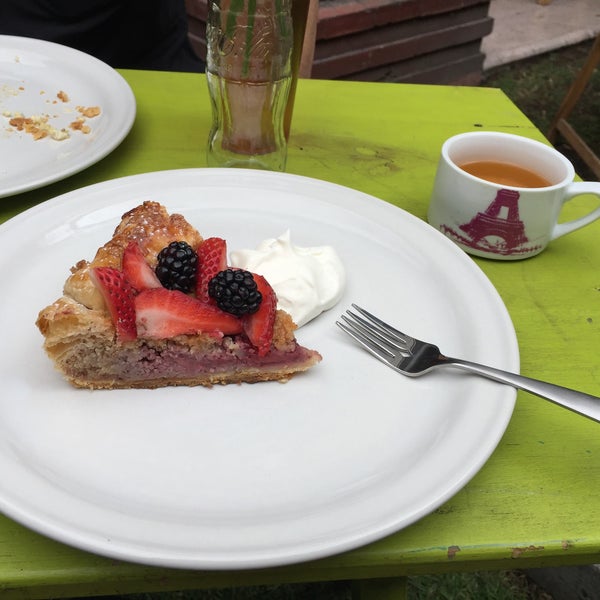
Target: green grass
[(503, 585), (305, 591), (537, 86)]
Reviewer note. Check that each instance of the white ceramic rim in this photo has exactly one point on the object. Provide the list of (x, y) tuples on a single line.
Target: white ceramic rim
[(40, 66), (533, 145)]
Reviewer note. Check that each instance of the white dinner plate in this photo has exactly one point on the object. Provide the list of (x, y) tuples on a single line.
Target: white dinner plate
[(32, 74), (245, 475)]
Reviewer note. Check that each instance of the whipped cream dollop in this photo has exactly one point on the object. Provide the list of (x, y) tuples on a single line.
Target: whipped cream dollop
[(307, 281)]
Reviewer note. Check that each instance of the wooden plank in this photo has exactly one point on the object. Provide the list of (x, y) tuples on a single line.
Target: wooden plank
[(343, 17), (577, 142), (403, 30), (197, 9), (197, 36), (461, 65), (577, 87), (360, 59)]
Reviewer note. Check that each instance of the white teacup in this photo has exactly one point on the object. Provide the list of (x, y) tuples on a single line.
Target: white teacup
[(513, 214)]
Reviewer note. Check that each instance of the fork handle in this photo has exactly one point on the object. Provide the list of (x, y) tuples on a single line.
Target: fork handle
[(579, 402)]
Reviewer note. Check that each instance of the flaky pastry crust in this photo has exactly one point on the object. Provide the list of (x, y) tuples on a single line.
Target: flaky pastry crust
[(80, 338)]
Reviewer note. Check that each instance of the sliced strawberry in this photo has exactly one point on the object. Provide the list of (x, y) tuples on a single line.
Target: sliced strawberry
[(137, 271), (212, 258), (118, 296), (163, 313), (258, 326)]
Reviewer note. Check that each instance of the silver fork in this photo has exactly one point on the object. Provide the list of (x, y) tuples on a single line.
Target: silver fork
[(413, 357)]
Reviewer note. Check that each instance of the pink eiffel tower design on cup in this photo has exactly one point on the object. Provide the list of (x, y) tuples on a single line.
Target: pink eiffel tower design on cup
[(500, 220)]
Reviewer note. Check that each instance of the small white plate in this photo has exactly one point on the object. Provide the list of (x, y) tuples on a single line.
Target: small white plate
[(256, 475), (32, 73)]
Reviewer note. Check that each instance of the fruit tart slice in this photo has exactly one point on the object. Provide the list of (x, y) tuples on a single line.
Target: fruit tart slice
[(157, 306)]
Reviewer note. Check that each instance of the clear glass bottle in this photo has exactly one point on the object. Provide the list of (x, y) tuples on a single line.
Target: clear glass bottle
[(249, 46)]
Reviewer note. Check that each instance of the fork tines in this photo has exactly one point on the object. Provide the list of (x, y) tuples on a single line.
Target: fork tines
[(379, 338)]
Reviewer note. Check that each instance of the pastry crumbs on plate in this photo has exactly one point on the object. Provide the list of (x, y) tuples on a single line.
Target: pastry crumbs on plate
[(89, 111), (36, 126), (79, 125), (39, 127)]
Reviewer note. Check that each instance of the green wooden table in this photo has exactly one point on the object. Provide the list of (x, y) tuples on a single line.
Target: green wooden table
[(535, 501)]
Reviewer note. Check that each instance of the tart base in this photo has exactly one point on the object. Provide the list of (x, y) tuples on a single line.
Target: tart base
[(81, 343)]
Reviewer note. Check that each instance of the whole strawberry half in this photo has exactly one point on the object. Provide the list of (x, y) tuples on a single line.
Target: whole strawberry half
[(137, 271), (118, 296), (258, 326), (212, 258), (163, 313)]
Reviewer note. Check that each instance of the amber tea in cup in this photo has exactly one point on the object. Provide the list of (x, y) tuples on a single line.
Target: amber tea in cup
[(505, 173), (499, 195)]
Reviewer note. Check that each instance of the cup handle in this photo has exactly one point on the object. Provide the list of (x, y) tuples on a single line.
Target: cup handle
[(577, 189)]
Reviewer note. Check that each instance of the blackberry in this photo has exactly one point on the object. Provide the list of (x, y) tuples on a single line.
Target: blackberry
[(176, 267), (235, 292)]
